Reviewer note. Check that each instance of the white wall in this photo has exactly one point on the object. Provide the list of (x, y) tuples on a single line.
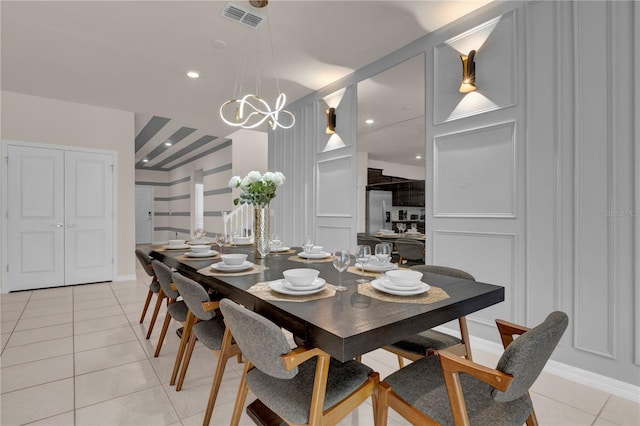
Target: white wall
[(398, 170), (42, 120), (531, 178)]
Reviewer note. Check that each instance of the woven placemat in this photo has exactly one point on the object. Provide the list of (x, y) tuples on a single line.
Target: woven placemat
[(185, 257), (263, 291), (209, 271), (435, 294), (297, 258), (277, 253)]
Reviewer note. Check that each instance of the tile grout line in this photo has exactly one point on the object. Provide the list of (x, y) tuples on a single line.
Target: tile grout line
[(602, 409), (73, 348), (17, 321), (148, 355)]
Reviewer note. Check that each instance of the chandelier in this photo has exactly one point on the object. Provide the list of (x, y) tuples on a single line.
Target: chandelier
[(250, 110)]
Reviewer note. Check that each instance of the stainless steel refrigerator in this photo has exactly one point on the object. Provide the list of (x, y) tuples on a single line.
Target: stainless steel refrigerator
[(378, 215)]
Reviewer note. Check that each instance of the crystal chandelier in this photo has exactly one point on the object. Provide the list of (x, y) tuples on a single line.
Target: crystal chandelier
[(250, 111)]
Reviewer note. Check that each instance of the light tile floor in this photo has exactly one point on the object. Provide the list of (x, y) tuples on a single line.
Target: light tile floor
[(78, 356)]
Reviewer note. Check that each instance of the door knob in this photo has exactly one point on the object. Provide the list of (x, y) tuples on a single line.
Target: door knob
[(56, 225), (71, 225)]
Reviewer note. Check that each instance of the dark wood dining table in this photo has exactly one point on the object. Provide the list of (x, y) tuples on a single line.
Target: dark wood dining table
[(345, 325)]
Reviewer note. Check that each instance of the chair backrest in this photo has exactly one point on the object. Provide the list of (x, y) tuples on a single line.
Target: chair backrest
[(412, 250), (368, 241), (163, 272), (193, 295), (444, 270), (260, 340), (145, 260), (527, 355)]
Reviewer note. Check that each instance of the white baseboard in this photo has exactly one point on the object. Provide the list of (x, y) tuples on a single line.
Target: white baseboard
[(566, 371), (131, 277)]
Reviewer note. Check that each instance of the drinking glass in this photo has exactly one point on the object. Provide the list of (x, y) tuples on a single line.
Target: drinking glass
[(234, 237), (264, 247), (220, 240), (363, 256), (341, 260), (307, 247), (383, 253), (275, 241)]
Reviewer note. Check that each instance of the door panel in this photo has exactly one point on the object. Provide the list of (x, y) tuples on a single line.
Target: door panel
[(89, 217), (144, 214), (36, 218)]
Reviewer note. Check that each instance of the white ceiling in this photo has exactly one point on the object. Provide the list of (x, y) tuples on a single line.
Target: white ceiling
[(133, 55)]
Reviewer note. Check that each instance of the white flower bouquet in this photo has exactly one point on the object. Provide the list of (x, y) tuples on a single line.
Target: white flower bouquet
[(257, 189)]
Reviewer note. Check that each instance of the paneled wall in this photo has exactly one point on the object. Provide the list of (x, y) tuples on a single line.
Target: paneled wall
[(532, 180)]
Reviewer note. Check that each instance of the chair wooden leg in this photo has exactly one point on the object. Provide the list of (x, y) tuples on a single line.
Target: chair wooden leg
[(186, 332), (161, 297), (532, 420), (186, 361), (146, 306), (383, 404), (400, 361), (226, 352), (163, 333), (464, 334), (241, 397)]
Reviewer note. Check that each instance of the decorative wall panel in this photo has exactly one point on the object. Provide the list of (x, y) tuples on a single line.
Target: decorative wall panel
[(334, 176), (489, 257), (474, 173), (496, 71)]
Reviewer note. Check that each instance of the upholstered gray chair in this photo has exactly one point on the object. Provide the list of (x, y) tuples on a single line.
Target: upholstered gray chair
[(421, 344), (364, 240), (202, 324), (176, 309), (431, 389), (303, 385), (409, 251), (154, 287)]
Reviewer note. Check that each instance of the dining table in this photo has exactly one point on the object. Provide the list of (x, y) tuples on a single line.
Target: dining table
[(345, 324)]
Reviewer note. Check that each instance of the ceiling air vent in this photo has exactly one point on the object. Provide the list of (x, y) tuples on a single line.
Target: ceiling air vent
[(242, 15)]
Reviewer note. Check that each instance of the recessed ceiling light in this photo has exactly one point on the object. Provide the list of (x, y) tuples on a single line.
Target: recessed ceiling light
[(168, 143), (418, 157), (369, 121), (144, 160), (193, 74)]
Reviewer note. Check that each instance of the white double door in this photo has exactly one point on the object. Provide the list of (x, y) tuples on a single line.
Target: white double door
[(60, 217)]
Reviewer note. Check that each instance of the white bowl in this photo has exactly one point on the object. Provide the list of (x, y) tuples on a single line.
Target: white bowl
[(200, 248), (176, 242), (243, 240), (301, 276), (402, 277), (316, 249), (233, 258)]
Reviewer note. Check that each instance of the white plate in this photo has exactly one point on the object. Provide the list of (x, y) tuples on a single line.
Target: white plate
[(320, 255), (221, 266), (205, 254), (180, 247), (317, 283), (391, 286), (379, 285), (377, 268), (200, 243), (279, 249), (243, 244), (278, 286)]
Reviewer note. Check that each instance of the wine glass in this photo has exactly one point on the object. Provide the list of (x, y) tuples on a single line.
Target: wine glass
[(401, 227), (383, 254), (363, 256), (220, 240), (264, 247), (234, 237), (341, 260), (276, 243), (307, 247)]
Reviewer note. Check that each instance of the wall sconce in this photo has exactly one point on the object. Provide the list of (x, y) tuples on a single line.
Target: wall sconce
[(331, 121), (468, 73)]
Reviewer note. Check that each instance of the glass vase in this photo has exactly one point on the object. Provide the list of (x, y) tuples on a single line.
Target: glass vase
[(261, 231)]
